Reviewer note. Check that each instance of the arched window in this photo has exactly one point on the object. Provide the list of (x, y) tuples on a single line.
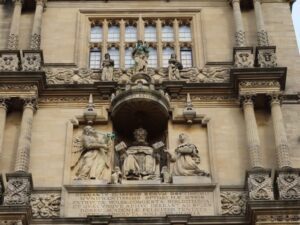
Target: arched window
[(167, 33), (113, 34), (129, 62), (96, 34), (115, 55), (185, 33), (95, 58), (130, 33), (152, 60), (150, 33), (166, 55)]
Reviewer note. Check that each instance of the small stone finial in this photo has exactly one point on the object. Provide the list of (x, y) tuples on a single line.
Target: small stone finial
[(189, 112), (89, 113)]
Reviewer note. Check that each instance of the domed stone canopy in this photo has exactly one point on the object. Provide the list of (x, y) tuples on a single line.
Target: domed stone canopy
[(140, 105)]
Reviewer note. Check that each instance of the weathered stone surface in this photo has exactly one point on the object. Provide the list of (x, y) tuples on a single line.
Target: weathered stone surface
[(45, 205)]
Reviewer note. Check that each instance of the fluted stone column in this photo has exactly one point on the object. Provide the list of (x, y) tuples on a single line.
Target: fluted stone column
[(13, 38), (252, 133), (240, 38), (19, 183), (23, 151), (262, 34), (282, 146), (35, 42), (3, 111)]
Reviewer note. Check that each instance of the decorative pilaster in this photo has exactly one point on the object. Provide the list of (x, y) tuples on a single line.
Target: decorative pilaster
[(35, 42), (262, 34), (3, 111), (240, 38), (282, 146), (23, 151), (13, 38), (252, 132)]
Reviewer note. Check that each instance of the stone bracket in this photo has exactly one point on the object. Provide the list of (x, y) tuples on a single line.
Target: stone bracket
[(266, 56), (288, 183), (10, 60), (260, 184), (18, 189), (243, 57)]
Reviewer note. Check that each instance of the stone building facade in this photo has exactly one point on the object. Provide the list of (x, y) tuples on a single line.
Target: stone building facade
[(149, 112)]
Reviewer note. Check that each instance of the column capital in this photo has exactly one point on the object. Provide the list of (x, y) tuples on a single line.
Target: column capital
[(275, 98), (4, 102), (247, 98), (30, 102), (18, 2)]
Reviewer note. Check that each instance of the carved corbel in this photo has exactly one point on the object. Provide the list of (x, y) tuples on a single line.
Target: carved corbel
[(288, 184), (243, 57), (9, 60), (266, 57), (32, 60)]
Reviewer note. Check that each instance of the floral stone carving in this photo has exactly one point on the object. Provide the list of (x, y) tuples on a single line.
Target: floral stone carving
[(32, 61), (267, 57), (9, 62), (45, 205), (289, 185), (233, 203), (17, 191), (260, 186), (243, 58)]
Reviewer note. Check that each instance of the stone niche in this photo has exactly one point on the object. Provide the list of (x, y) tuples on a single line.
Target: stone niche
[(142, 148)]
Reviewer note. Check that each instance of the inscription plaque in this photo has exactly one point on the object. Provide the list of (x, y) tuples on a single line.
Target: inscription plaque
[(140, 204)]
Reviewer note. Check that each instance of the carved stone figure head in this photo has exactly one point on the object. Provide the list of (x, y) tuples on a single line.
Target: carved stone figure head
[(140, 136), (107, 56), (182, 138), (88, 130)]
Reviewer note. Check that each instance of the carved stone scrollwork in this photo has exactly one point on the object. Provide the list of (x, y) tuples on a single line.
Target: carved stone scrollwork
[(32, 61), (266, 57), (9, 61), (11, 222), (260, 185), (18, 189), (288, 183), (45, 205), (13, 40), (233, 203)]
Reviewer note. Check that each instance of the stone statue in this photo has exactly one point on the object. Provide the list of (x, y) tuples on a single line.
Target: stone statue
[(93, 161), (140, 161), (116, 176), (186, 159), (107, 68), (174, 67), (140, 55)]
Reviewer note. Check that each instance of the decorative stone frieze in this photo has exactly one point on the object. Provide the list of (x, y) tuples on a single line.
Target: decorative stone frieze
[(18, 189), (243, 57), (32, 60), (45, 205), (9, 60), (266, 57), (288, 184), (11, 222), (260, 184), (259, 83), (279, 218), (233, 203), (208, 74)]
